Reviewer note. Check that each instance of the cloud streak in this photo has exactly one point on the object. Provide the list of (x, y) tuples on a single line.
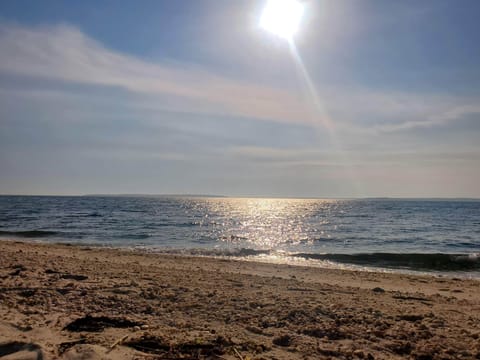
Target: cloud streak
[(315, 157), (63, 53)]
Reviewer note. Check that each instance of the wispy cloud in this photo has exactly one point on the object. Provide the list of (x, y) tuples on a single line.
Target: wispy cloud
[(436, 118), (63, 53), (315, 157)]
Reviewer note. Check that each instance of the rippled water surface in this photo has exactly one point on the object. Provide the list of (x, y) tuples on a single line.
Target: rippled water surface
[(305, 227)]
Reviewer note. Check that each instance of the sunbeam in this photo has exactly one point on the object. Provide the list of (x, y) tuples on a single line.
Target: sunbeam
[(282, 18), (324, 120)]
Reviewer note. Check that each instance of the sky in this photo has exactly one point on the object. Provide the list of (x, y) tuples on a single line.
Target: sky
[(374, 99)]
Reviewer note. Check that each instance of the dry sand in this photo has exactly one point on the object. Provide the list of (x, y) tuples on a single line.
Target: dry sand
[(73, 302)]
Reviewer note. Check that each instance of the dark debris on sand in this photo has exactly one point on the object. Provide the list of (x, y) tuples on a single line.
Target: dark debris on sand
[(99, 323)]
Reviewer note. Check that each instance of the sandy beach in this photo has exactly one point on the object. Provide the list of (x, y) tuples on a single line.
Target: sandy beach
[(74, 302)]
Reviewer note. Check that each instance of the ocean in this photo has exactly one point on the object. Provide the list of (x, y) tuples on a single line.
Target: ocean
[(433, 236)]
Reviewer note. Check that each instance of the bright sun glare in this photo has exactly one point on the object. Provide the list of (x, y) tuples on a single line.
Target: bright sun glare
[(282, 17)]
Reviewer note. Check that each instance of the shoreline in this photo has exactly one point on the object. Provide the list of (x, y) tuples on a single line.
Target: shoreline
[(309, 260), (176, 305)]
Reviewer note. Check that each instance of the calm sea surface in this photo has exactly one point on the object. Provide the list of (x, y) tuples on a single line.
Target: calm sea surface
[(425, 235)]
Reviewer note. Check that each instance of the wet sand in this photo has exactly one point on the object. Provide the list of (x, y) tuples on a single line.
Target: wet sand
[(73, 302)]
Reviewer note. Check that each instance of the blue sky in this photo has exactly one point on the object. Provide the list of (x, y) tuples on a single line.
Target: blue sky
[(193, 97)]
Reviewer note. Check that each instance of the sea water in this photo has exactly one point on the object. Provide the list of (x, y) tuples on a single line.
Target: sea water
[(424, 235)]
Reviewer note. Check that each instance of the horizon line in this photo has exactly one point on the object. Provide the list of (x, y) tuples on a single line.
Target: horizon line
[(192, 195)]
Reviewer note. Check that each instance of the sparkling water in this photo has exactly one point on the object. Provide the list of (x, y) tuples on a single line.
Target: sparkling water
[(417, 234)]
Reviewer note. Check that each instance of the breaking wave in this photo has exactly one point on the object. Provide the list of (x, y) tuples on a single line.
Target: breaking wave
[(408, 261), (412, 261), (29, 233)]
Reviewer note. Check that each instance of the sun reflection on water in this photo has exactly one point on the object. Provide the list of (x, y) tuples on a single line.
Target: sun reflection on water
[(267, 223)]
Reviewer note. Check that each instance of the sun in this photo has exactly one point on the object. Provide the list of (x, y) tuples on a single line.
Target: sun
[(282, 17)]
